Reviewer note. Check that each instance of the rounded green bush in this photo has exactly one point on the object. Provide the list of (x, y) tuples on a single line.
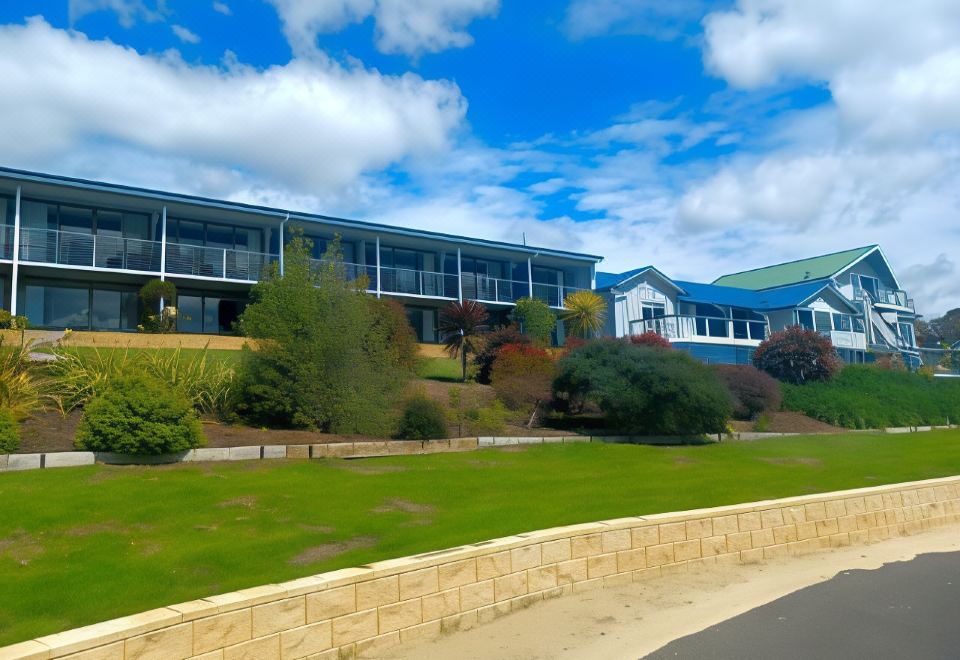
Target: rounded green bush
[(422, 419), (9, 432), (138, 414)]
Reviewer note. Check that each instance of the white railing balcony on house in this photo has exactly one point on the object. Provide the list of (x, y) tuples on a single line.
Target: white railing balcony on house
[(553, 294), (6, 241), (493, 289), (680, 327), (883, 296), (218, 263), (50, 246), (406, 281)]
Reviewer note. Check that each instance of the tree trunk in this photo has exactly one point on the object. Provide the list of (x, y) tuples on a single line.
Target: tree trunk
[(533, 416), (463, 361)]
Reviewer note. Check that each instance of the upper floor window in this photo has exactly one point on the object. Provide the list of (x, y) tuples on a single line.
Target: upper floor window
[(215, 235), (805, 319), (906, 333), (85, 220)]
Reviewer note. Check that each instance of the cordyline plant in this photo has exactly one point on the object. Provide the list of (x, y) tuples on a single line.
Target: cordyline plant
[(584, 313), (798, 356), (461, 326)]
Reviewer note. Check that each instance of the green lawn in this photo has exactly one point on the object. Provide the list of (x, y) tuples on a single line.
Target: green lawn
[(445, 369), (86, 544)]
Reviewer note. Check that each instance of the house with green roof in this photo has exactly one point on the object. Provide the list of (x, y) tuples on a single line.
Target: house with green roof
[(851, 296)]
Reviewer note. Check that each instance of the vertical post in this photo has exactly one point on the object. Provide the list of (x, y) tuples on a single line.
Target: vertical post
[(223, 273), (378, 266), (16, 255), (163, 253), (560, 283), (283, 224), (459, 278), (530, 277)]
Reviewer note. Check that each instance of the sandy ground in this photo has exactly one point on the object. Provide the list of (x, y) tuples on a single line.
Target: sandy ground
[(632, 621)]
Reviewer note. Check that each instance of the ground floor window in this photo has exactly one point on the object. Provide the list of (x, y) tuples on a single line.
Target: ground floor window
[(424, 323), (207, 314), (79, 307), (851, 356)]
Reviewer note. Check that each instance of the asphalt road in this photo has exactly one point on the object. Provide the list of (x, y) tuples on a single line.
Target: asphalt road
[(902, 610)]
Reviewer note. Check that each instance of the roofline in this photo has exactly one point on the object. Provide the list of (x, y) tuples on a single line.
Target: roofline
[(794, 261), (196, 200), (641, 272), (827, 284), (832, 287), (876, 248)]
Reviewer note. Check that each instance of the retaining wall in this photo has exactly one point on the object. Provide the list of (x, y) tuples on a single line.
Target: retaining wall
[(361, 611)]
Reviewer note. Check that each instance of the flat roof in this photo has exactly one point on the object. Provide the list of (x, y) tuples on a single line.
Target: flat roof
[(102, 186)]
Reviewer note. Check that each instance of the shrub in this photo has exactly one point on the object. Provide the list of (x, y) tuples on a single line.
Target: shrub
[(584, 313), (487, 420), (324, 357), (797, 356), (391, 322), (207, 384), (535, 319), (9, 432), (753, 391), (890, 362), (652, 339), (153, 317), (23, 388), (422, 419), (139, 414), (865, 396), (522, 377), (646, 390), (10, 322), (493, 341)]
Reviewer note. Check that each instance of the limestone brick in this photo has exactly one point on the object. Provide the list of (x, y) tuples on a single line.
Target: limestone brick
[(445, 603), (457, 573), (419, 583), (400, 615), (601, 565), (216, 632), (281, 615), (476, 595), (331, 603)]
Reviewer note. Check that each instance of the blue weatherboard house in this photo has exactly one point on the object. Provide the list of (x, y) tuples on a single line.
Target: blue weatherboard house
[(853, 296)]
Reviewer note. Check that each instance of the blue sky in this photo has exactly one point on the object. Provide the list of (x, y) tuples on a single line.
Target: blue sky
[(703, 137)]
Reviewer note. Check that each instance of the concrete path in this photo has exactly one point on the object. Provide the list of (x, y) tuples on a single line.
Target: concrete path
[(639, 619)]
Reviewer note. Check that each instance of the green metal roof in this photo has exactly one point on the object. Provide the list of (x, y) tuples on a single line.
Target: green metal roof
[(794, 272)]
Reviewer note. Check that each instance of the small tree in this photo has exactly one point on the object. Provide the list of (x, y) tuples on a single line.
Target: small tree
[(461, 325), (535, 319), (797, 356), (522, 377), (753, 391), (650, 338), (159, 300), (493, 341), (584, 313)]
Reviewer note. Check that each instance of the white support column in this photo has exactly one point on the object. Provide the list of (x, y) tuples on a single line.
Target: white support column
[(163, 252), (459, 278), (16, 256), (530, 277), (283, 224), (378, 266)]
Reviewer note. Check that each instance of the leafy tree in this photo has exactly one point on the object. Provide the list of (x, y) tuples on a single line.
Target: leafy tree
[(493, 341), (947, 327), (461, 326), (796, 355), (645, 390), (584, 313), (327, 356), (535, 319), (650, 338), (753, 391), (522, 377)]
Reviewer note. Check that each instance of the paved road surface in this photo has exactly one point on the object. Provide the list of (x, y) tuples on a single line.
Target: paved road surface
[(902, 610)]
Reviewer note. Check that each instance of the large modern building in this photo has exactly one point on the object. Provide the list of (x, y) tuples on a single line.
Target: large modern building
[(852, 296), (74, 254)]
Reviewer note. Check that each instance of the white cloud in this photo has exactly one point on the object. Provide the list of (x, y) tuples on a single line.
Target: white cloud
[(185, 35), (308, 124), (653, 18), (128, 11), (409, 27), (222, 8)]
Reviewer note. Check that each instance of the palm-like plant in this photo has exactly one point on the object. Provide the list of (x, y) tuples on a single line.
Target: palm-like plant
[(584, 313), (461, 324)]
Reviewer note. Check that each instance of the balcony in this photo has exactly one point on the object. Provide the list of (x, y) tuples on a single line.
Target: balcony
[(6, 242), (217, 263), (883, 296), (405, 281), (699, 328), (49, 246)]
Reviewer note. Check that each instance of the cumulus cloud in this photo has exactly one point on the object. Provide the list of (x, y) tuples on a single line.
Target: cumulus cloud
[(222, 8), (652, 18), (309, 124), (410, 27)]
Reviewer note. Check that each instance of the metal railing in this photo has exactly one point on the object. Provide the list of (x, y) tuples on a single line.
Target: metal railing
[(417, 282), (493, 289), (689, 327), (217, 263), (91, 250), (886, 296)]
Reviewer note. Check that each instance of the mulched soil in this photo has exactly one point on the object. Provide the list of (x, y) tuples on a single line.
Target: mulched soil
[(790, 422)]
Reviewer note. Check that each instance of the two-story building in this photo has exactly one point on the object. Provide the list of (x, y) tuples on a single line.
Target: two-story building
[(853, 296), (74, 254)]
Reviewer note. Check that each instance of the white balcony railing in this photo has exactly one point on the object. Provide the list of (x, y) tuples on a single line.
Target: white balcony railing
[(90, 250), (679, 327), (417, 282), (883, 296)]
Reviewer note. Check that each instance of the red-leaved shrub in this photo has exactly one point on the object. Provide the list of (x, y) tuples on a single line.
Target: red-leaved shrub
[(650, 338), (798, 356), (753, 391)]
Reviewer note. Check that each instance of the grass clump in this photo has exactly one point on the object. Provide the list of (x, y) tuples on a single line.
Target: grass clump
[(9, 432)]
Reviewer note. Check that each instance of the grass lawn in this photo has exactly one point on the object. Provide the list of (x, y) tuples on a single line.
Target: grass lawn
[(445, 369), (81, 545)]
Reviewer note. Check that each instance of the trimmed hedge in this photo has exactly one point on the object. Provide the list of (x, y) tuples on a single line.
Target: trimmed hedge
[(866, 397)]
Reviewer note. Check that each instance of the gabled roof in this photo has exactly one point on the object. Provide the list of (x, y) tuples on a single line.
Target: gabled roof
[(787, 297), (607, 281), (794, 272)]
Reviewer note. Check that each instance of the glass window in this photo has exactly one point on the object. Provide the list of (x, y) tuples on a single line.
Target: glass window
[(857, 324), (805, 319), (546, 276), (76, 220), (58, 307), (906, 333), (7, 210), (136, 225), (36, 215), (211, 315), (105, 312), (189, 233), (220, 236), (841, 322), (823, 321), (109, 223), (129, 310), (190, 314)]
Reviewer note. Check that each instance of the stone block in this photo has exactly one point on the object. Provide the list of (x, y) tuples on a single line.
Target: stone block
[(457, 622), (601, 565), (658, 555), (771, 518), (738, 542), (400, 615), (495, 565), (673, 532), (699, 529), (751, 556), (523, 602), (806, 530), (875, 502), (306, 640), (553, 552), (243, 453), (713, 546), (476, 595), (585, 546), (827, 527), (264, 648), (749, 522), (109, 652), (617, 580), (16, 462), (525, 557), (776, 551), (485, 442), (686, 550), (438, 605), (353, 627), (839, 540), (425, 631), (552, 440), (504, 442), (572, 571), (298, 451), (419, 583), (761, 537), (576, 438), (855, 505), (338, 450), (793, 514), (69, 459), (274, 451), (493, 612), (631, 560), (173, 642), (3, 461), (216, 632), (785, 534), (587, 585), (509, 586), (331, 603), (457, 573), (723, 525), (615, 540), (644, 537), (835, 508), (541, 578), (378, 592), (281, 615)]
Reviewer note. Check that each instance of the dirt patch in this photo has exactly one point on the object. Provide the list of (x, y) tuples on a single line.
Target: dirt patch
[(791, 460), (329, 550), (49, 432), (21, 547), (317, 529), (396, 504), (789, 422), (684, 460), (93, 529), (246, 501)]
